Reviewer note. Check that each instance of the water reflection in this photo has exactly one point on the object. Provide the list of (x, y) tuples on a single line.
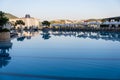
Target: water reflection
[(4, 53), (112, 36), (67, 59), (22, 35), (46, 34)]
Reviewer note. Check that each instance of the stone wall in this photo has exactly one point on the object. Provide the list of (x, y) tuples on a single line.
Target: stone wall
[(4, 36)]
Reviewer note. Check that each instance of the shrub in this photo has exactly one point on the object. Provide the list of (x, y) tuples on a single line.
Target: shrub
[(4, 30)]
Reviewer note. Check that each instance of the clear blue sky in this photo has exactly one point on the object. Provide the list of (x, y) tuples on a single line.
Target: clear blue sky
[(62, 9)]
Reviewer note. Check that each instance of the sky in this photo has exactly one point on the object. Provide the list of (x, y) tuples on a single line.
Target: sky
[(62, 9)]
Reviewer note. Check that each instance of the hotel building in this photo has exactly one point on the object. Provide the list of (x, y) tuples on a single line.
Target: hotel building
[(29, 21)]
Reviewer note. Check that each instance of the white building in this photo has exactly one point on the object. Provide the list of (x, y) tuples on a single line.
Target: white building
[(94, 24), (29, 21), (114, 21)]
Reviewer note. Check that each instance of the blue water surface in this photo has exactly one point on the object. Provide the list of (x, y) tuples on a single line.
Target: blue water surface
[(62, 56)]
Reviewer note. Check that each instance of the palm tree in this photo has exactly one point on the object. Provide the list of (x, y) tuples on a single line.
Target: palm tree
[(3, 20)]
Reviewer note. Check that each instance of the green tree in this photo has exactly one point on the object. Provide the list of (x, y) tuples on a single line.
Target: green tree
[(103, 20), (46, 23), (3, 19), (19, 22)]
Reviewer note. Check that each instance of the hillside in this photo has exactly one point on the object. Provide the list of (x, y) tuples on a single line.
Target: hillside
[(10, 16), (89, 20), (61, 21)]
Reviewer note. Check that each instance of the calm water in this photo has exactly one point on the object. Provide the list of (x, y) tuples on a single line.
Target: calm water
[(61, 56)]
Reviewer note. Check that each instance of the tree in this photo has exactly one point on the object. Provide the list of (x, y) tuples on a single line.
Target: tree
[(19, 22), (3, 19), (46, 23), (103, 20)]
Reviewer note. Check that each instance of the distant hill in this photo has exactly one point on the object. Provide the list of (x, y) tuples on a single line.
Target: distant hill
[(61, 21), (89, 20), (10, 16)]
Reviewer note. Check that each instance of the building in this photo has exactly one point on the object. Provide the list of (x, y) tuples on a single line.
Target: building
[(94, 24), (29, 21), (112, 22)]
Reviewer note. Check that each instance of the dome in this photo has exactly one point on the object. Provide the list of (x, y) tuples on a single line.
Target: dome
[(27, 16)]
